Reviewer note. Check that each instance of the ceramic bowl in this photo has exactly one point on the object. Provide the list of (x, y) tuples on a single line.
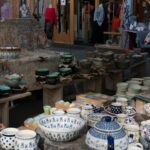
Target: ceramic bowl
[(4, 90), (59, 112), (42, 72), (147, 109), (65, 71), (61, 128), (9, 52), (75, 112), (52, 78), (94, 118)]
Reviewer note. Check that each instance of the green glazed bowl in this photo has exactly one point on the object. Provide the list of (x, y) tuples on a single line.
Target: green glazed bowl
[(42, 72), (53, 75), (65, 71)]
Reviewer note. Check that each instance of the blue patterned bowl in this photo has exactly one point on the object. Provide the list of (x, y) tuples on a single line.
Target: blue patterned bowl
[(61, 128)]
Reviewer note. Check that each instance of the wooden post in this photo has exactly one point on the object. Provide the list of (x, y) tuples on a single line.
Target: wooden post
[(51, 94)]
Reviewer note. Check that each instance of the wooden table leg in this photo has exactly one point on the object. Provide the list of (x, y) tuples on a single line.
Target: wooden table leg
[(5, 113)]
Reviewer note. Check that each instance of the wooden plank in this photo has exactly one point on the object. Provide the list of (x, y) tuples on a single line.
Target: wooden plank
[(14, 97), (112, 33)]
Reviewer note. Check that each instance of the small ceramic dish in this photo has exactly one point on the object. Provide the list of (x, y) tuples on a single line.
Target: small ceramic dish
[(4, 90)]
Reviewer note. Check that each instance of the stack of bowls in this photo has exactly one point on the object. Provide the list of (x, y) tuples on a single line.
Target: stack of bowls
[(122, 88), (133, 90)]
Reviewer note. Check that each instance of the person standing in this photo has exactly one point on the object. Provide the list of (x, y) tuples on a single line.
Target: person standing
[(50, 21), (99, 24)]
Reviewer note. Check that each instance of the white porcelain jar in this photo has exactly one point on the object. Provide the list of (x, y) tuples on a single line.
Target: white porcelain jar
[(25, 140)]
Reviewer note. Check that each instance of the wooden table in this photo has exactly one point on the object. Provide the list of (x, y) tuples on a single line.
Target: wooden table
[(5, 105)]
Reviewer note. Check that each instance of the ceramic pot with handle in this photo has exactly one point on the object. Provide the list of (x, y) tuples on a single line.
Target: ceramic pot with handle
[(105, 134), (7, 139), (26, 140)]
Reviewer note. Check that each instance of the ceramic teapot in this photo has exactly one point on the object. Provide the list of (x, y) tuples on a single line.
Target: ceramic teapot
[(105, 134)]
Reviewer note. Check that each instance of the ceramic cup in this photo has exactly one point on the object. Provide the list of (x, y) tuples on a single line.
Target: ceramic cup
[(116, 108), (135, 146), (25, 140), (8, 137), (46, 109)]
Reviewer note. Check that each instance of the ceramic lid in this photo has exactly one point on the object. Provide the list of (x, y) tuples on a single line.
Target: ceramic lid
[(107, 124)]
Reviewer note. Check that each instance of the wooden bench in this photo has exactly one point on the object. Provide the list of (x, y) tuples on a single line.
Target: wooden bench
[(4, 106)]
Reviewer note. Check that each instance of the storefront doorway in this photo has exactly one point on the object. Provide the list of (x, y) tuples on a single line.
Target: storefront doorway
[(64, 32)]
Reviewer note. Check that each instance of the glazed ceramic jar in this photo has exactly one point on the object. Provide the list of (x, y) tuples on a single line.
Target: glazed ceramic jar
[(105, 134), (8, 137), (25, 140), (86, 111)]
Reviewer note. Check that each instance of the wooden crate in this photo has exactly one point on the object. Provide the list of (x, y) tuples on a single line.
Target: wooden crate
[(96, 99), (140, 101)]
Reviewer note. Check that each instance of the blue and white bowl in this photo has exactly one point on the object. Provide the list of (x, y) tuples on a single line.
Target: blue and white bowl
[(61, 128)]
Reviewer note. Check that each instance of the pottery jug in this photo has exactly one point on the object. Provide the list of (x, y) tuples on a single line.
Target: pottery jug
[(135, 146), (7, 140), (105, 134), (25, 140)]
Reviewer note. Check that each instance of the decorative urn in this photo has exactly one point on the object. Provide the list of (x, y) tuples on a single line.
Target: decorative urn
[(107, 134)]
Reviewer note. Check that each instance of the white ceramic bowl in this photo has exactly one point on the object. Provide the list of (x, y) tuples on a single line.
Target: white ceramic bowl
[(61, 128), (75, 112), (147, 109)]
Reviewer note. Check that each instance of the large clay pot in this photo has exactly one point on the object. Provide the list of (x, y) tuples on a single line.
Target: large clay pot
[(105, 134)]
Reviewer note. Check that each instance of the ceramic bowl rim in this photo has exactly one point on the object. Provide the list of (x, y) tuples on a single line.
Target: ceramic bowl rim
[(62, 131), (24, 132), (74, 111), (9, 131)]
